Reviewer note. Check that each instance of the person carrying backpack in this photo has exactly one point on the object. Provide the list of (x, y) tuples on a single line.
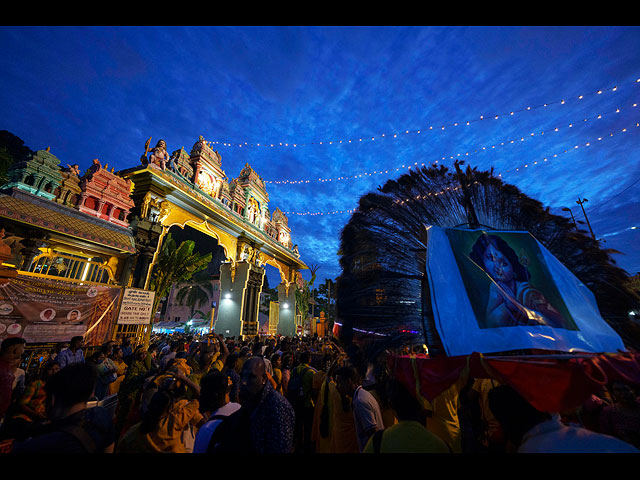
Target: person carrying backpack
[(301, 395)]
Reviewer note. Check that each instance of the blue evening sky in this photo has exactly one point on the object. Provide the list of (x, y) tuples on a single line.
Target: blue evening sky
[(501, 97)]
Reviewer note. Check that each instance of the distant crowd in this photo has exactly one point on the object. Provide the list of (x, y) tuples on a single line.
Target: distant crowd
[(274, 394)]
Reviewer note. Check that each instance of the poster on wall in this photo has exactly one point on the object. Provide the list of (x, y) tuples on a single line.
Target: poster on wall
[(40, 310), (496, 291), (136, 307)]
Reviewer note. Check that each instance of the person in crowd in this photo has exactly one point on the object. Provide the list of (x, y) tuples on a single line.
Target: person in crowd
[(443, 420), (230, 370), (287, 365), (73, 354), (276, 363), (321, 428), (488, 434), (72, 427), (366, 411), (11, 351), (245, 353), (170, 355), (409, 434), (127, 350), (379, 390), (621, 419), (264, 423), (591, 409), (29, 410), (257, 352), (152, 358), (221, 353), (117, 357), (167, 425), (344, 438), (215, 405), (203, 361), (529, 430), (106, 369), (130, 392), (302, 396)]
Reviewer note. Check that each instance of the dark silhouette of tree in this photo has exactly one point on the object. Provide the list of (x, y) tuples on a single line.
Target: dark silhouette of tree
[(383, 288), (12, 150)]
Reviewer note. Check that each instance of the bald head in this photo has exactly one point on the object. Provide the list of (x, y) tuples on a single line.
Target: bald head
[(253, 379)]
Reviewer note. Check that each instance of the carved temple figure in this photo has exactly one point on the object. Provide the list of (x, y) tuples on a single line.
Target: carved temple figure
[(159, 155), (74, 170), (95, 166), (253, 210), (165, 209), (144, 208)]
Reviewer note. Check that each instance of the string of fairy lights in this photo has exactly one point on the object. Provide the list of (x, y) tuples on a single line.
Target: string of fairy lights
[(451, 157), (520, 168), (441, 128), (431, 128)]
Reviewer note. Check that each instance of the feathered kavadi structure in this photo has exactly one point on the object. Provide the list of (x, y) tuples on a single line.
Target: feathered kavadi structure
[(492, 283)]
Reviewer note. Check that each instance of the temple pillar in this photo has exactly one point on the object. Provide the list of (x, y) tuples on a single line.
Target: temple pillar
[(240, 287), (145, 257), (287, 309), (30, 251)]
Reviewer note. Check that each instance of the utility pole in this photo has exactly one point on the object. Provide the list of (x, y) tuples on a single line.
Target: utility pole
[(581, 203), (472, 218)]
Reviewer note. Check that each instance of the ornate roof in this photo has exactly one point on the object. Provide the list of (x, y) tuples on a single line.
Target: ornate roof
[(27, 208)]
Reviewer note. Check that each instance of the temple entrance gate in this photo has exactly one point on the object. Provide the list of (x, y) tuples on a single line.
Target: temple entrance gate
[(192, 190)]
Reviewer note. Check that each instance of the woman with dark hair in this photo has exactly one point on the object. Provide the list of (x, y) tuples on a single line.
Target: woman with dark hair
[(513, 300)]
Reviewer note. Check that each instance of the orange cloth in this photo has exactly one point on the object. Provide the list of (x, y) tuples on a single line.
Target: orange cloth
[(167, 437)]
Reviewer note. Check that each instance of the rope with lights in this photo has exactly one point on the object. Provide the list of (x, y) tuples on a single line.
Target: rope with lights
[(417, 131)]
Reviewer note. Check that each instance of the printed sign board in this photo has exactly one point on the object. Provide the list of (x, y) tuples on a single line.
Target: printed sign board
[(40, 310), (136, 307)]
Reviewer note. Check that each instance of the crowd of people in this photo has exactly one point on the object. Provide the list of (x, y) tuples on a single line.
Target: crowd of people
[(209, 394)]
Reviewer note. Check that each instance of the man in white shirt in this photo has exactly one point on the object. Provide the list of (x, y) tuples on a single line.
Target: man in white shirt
[(366, 411), (532, 431)]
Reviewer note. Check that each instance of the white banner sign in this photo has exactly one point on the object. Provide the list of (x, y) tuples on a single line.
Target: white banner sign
[(136, 307), (496, 291)]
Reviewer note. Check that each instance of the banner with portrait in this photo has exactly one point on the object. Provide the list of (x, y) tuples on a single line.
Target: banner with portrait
[(41, 310), (497, 291)]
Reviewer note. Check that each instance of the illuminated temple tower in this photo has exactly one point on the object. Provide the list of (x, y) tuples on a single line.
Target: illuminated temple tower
[(193, 190)]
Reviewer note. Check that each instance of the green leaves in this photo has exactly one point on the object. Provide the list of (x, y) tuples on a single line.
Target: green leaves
[(176, 265)]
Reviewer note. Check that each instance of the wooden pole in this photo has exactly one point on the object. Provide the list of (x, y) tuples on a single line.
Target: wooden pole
[(472, 218)]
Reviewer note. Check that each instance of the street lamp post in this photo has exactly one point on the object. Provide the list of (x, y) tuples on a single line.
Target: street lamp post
[(581, 203), (566, 209)]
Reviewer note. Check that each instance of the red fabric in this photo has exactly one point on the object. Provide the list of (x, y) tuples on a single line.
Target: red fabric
[(550, 385)]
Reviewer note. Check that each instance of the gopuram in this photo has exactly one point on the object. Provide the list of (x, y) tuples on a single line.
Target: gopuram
[(105, 229)]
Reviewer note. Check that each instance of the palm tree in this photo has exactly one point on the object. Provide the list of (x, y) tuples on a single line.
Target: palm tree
[(197, 293), (175, 265), (382, 288), (303, 293)]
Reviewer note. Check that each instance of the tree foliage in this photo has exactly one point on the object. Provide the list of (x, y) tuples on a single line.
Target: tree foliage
[(12, 150), (175, 265), (303, 293), (197, 292)]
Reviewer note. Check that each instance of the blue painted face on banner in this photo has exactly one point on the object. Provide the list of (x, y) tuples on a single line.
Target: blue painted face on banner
[(497, 264)]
